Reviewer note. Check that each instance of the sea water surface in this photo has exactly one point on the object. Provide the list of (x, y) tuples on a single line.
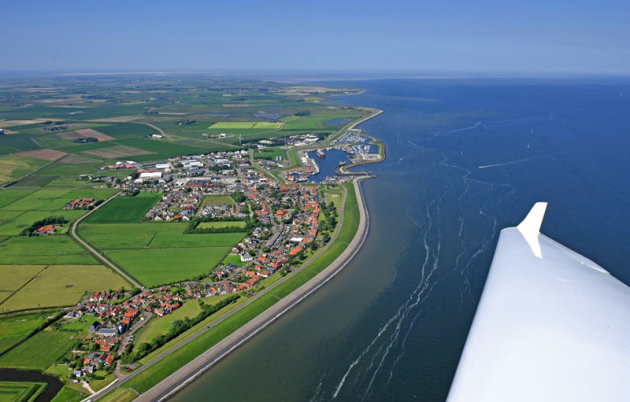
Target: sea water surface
[(329, 165), (465, 158)]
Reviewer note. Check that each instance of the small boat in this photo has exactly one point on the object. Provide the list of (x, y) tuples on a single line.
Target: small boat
[(342, 163), (320, 154)]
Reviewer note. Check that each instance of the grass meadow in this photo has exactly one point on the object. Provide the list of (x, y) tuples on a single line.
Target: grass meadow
[(43, 349), (54, 285), (234, 260), (109, 236), (20, 391), (14, 329), (161, 326), (222, 225), (159, 253), (13, 167), (51, 200), (125, 209), (69, 394), (56, 250), (233, 125), (217, 199), (158, 266)]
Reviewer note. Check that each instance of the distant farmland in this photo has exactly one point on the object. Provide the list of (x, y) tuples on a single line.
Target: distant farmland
[(247, 125)]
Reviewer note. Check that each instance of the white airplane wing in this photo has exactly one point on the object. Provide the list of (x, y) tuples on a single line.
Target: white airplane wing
[(551, 325)]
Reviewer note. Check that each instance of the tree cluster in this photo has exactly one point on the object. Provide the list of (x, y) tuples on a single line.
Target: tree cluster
[(180, 326), (51, 220)]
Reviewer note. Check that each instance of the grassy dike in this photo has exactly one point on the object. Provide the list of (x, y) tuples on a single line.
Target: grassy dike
[(154, 374)]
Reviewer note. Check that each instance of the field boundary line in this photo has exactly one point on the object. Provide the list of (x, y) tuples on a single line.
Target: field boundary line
[(26, 283), (75, 236), (34, 332), (148, 245)]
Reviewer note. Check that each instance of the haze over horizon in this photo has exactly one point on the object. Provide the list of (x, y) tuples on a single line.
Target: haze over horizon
[(537, 37)]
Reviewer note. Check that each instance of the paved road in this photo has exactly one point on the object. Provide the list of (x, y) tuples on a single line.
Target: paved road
[(154, 127), (196, 367), (73, 233), (252, 161)]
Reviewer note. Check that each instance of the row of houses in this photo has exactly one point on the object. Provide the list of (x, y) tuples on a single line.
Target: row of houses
[(80, 203)]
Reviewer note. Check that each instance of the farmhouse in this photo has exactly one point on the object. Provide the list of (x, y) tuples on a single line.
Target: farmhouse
[(80, 203), (47, 229)]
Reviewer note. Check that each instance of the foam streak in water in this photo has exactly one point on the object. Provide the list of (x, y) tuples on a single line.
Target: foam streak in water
[(385, 327)]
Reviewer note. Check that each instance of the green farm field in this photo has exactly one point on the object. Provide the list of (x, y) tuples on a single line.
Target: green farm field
[(160, 326), (271, 153), (69, 394), (21, 208), (159, 253), (159, 266), (124, 209), (233, 124), (46, 347), (14, 329), (13, 167), (23, 219), (233, 259), (54, 285), (44, 250), (172, 239), (9, 196), (51, 200), (121, 394), (222, 225), (108, 236), (23, 391), (61, 174), (217, 199), (125, 235), (269, 125)]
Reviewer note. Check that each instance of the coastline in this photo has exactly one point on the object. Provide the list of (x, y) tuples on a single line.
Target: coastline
[(187, 373), (193, 369)]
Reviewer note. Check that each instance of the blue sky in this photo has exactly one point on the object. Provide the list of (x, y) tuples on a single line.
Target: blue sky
[(553, 36)]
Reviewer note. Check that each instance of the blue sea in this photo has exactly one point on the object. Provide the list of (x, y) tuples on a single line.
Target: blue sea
[(465, 158)]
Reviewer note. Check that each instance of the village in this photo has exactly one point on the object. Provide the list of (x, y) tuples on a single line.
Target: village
[(282, 225)]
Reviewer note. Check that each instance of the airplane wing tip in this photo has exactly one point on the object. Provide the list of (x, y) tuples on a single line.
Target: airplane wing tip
[(532, 222)]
